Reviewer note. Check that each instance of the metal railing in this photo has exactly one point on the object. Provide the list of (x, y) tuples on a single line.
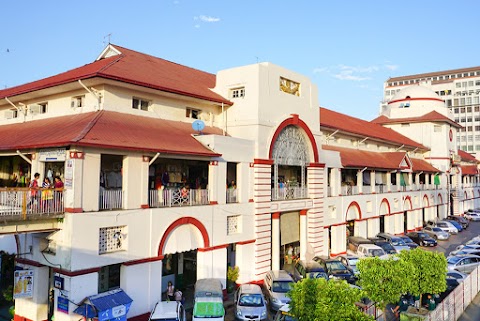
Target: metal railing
[(231, 195), (289, 193), (25, 203), (110, 199), (178, 197)]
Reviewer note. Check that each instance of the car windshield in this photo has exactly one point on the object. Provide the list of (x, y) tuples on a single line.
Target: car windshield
[(422, 235), (353, 262), (436, 229), (453, 260), (281, 286), (406, 239), (335, 266), (250, 300), (442, 224), (387, 247), (376, 252), (317, 275), (398, 242)]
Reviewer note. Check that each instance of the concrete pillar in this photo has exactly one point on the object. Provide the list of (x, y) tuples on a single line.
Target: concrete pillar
[(91, 182), (245, 252), (276, 241), (143, 283), (361, 228), (303, 234), (389, 182), (372, 182), (360, 182), (212, 263), (134, 175), (399, 186), (410, 181), (36, 307), (373, 227), (339, 239), (243, 182), (317, 234), (217, 182), (74, 173)]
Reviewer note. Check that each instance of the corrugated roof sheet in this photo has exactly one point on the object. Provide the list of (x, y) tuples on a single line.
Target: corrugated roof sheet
[(106, 129), (432, 116), (135, 68), (334, 120)]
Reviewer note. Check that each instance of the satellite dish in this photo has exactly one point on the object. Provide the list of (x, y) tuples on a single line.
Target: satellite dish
[(198, 125)]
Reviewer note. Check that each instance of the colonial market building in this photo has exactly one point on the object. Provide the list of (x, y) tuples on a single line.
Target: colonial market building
[(173, 174)]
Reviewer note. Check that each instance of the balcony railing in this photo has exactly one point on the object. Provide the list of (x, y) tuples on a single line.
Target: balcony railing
[(178, 197), (26, 203), (231, 195), (289, 193), (110, 199)]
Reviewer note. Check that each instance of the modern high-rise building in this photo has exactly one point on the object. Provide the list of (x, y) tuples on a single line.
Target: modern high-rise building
[(459, 88)]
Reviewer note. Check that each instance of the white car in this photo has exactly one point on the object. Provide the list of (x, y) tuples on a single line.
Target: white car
[(459, 276), (470, 246), (447, 227), (168, 311), (464, 263), (472, 216)]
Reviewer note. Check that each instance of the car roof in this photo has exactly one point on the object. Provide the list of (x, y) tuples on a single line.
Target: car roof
[(280, 275), (371, 246), (311, 265), (249, 288), (165, 310)]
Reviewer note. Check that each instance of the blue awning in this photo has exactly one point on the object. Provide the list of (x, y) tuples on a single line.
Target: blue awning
[(111, 305)]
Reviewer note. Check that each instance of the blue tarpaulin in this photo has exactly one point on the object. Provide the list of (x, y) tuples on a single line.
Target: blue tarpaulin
[(111, 305)]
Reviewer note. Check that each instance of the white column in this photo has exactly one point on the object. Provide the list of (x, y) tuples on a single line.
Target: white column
[(410, 181), (91, 182), (243, 182), (389, 181), (303, 234), (35, 308), (212, 264), (361, 228), (317, 234), (74, 195), (399, 186), (217, 182), (360, 181), (134, 173), (276, 241), (339, 239), (245, 253)]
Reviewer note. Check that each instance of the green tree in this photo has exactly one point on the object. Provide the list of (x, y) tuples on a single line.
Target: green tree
[(384, 280), (429, 271), (321, 300)]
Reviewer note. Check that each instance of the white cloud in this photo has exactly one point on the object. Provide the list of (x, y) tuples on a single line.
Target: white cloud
[(368, 69), (208, 18), (176, 2), (197, 26), (319, 70), (354, 73), (349, 76), (391, 67)]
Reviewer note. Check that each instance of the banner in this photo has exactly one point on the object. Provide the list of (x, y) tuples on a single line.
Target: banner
[(23, 284)]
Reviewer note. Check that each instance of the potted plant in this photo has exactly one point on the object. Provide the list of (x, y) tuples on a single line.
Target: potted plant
[(232, 277)]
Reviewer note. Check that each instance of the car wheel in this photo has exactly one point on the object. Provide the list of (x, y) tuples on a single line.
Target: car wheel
[(435, 237), (422, 243)]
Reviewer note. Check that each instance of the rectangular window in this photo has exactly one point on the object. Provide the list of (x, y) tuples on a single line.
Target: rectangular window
[(77, 101), (470, 138), (470, 83), (469, 119), (475, 102), (192, 113), (456, 110), (470, 148), (462, 103), (11, 113), (140, 104), (477, 108), (477, 82), (469, 102), (405, 125), (477, 147), (469, 128), (109, 278), (458, 85), (237, 92), (40, 108)]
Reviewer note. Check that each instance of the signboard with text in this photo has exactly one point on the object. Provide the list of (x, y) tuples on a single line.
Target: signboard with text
[(52, 155)]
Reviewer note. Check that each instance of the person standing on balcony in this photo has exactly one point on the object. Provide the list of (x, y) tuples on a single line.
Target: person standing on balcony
[(58, 185), (34, 189), (46, 194)]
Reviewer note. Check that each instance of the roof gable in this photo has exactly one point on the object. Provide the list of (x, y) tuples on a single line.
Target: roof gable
[(432, 116)]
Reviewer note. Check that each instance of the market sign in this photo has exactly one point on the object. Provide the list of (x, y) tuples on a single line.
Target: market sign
[(62, 304), (23, 284), (52, 155)]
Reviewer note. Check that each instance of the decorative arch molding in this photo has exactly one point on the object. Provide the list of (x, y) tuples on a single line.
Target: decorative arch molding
[(295, 121), (385, 203), (440, 198), (355, 208), (184, 221), (426, 201), (408, 200)]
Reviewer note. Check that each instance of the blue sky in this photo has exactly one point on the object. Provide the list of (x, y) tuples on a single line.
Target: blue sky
[(347, 48)]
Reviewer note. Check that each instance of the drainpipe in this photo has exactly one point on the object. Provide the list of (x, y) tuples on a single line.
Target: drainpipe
[(153, 159), (96, 95), (24, 157)]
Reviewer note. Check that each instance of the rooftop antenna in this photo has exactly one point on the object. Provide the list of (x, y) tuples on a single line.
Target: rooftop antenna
[(107, 36)]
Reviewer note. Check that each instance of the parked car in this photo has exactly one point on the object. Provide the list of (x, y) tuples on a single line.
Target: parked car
[(447, 227), (436, 232), (336, 269), (283, 314), (168, 311), (276, 284), (472, 216), (350, 261), (249, 304), (369, 250), (422, 238), (395, 241), (460, 219), (465, 250), (385, 245), (309, 269), (408, 241), (459, 276), (469, 246), (464, 263), (457, 225)]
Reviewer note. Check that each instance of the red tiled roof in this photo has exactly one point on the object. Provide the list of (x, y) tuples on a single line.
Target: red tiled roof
[(467, 157), (135, 68), (106, 129), (432, 116), (469, 169), (357, 158), (334, 120), (421, 165)]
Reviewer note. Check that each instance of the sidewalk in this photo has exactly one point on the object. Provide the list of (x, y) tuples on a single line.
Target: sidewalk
[(472, 313)]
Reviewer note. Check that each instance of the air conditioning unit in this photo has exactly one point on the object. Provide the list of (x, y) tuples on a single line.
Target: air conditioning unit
[(35, 109), (9, 114)]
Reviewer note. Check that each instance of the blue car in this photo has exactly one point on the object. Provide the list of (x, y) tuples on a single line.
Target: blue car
[(456, 224)]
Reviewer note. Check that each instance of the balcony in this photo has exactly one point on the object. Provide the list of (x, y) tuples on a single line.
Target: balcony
[(110, 199), (289, 193), (178, 197), (31, 204)]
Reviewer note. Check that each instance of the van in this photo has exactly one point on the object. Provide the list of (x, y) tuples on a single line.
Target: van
[(276, 284), (168, 311), (208, 301)]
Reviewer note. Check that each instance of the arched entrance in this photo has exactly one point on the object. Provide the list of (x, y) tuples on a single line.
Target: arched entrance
[(408, 215), (355, 226), (383, 212)]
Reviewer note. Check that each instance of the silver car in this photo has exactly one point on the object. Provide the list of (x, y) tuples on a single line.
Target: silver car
[(249, 303), (464, 263), (276, 284), (436, 232)]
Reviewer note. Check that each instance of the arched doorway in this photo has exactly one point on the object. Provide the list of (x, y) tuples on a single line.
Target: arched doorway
[(355, 226), (384, 210)]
